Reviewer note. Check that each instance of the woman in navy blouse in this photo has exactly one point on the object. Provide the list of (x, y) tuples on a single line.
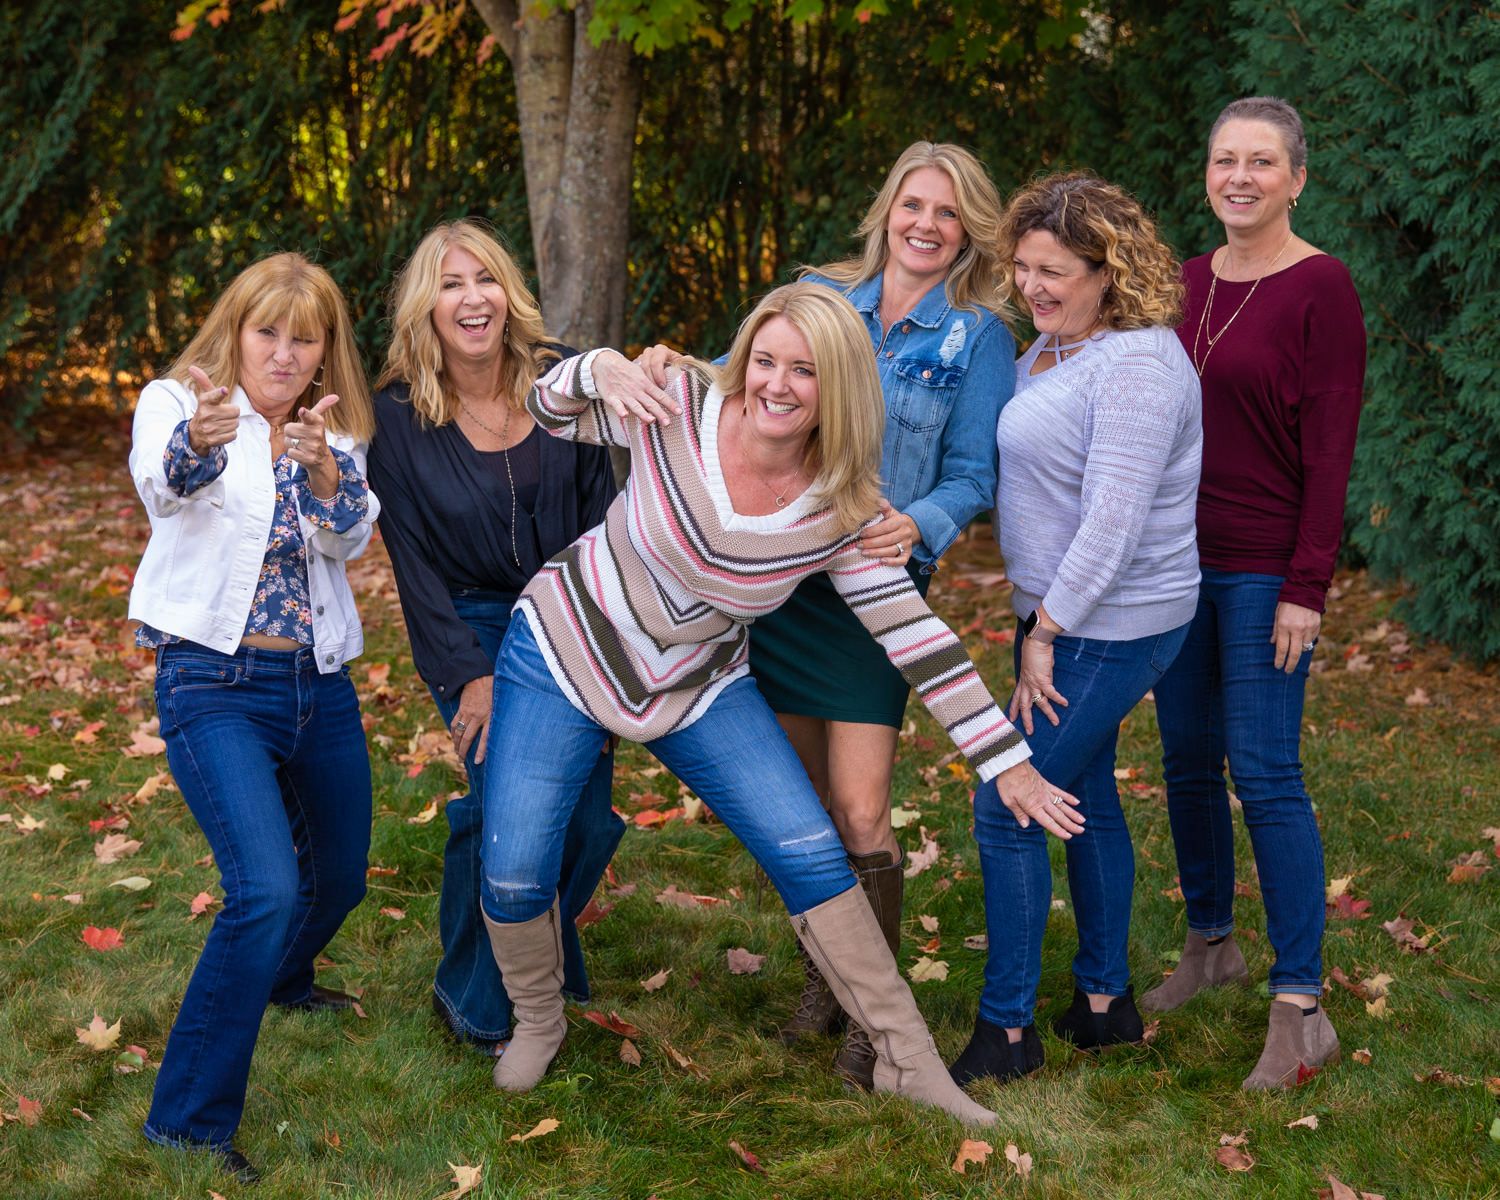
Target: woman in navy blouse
[(249, 457), (476, 499)]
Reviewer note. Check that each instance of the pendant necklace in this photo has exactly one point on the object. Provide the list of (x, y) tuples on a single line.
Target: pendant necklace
[(765, 483), (1213, 338), (504, 436)]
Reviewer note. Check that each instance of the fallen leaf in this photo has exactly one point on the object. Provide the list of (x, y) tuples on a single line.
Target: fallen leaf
[(29, 824), (1021, 1162), (1338, 1190), (1304, 1073), (1362, 1056), (1308, 1122), (99, 1036), (57, 772), (1401, 930), (1446, 1078), (1377, 986), (1150, 1033), (395, 914), (1418, 698), (1232, 1158), (659, 980), (1468, 868), (429, 811), (131, 1059), (201, 903), (132, 883), (751, 1162), (465, 1179), (102, 939), (742, 962), (74, 897), (930, 924), (683, 1061), (153, 785), (1377, 1009), (114, 847), (925, 969), (78, 1112), (1241, 1138), (923, 857), (379, 674), (901, 816), (593, 912), (977, 941), (684, 899), (541, 1129), (629, 1054), (612, 1023), (1346, 908), (89, 734), (359, 1011), (376, 872), (144, 743), (28, 1112), (970, 1151), (1337, 887)]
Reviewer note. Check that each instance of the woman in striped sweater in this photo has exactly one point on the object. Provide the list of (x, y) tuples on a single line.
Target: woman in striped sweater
[(740, 487)]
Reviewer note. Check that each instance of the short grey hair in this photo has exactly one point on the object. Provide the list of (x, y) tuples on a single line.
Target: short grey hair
[(1273, 111)]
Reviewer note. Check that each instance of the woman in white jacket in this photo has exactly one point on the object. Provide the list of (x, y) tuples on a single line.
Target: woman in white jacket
[(250, 458)]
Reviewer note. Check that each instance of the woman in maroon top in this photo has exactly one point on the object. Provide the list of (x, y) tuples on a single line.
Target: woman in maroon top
[(1275, 330)]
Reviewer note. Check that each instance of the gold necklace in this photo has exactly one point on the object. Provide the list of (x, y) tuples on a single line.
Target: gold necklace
[(765, 483), (504, 436), (1213, 338)]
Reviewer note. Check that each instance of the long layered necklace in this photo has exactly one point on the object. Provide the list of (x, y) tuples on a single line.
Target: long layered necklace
[(504, 436), (1213, 338)]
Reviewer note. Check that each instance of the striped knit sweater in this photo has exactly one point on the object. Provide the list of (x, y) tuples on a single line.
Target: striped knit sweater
[(644, 619)]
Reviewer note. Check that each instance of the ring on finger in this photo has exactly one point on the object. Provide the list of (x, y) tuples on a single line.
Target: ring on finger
[(1057, 800), (900, 549), (1306, 646), (460, 726), (1035, 700), (293, 443)]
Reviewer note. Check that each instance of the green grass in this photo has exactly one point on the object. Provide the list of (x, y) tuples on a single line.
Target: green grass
[(344, 1107)]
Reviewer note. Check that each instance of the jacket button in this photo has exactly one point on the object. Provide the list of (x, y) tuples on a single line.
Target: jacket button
[(329, 660), (925, 375), (320, 610), (890, 354), (906, 328)]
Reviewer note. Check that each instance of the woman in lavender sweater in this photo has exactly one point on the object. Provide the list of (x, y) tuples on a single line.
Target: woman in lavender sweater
[(1099, 457)]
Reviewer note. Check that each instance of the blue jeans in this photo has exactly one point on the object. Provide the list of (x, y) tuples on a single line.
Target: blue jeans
[(1102, 681), (735, 757), (271, 759), (1224, 698), (468, 983)]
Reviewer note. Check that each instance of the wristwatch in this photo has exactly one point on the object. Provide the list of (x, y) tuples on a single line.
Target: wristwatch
[(1032, 628)]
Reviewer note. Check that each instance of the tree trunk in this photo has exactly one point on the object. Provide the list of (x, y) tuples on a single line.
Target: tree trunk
[(577, 104)]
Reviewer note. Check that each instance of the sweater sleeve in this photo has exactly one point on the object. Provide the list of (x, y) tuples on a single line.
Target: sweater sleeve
[(1132, 423), (1328, 419), (930, 658), (444, 649), (565, 403)]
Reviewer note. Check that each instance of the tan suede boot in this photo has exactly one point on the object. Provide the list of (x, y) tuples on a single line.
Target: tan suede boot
[(845, 941), (530, 957), (1201, 966), (1293, 1042), (884, 885)]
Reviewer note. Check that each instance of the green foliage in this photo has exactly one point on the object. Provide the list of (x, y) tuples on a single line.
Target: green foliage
[(1401, 101)]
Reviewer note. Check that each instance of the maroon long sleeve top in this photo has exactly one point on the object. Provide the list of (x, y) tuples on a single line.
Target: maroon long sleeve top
[(1281, 396)]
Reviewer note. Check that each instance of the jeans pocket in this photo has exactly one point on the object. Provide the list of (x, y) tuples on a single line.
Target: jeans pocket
[(202, 676)]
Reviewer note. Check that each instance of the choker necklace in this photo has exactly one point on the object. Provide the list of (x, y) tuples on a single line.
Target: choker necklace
[(765, 483), (1213, 338), (504, 436)]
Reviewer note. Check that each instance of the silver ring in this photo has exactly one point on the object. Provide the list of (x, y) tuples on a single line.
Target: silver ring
[(293, 443), (900, 549), (1057, 800), (1306, 646), (1035, 700), (460, 726)]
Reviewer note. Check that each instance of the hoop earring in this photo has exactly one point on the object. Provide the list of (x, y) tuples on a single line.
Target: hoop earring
[(1291, 204), (318, 378)]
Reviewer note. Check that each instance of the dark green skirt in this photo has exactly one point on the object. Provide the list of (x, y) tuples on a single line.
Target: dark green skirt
[(812, 657)]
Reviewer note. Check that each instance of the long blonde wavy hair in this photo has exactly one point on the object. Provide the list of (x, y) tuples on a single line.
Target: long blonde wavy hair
[(975, 278), (287, 287), (415, 356), (1106, 227), (844, 450)]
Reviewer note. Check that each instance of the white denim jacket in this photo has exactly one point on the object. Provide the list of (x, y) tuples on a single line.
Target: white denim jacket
[(201, 568)]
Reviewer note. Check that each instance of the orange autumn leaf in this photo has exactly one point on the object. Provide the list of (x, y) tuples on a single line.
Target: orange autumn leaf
[(102, 939), (971, 1152)]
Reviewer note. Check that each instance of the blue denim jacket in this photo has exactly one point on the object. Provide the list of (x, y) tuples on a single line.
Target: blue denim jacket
[(946, 373)]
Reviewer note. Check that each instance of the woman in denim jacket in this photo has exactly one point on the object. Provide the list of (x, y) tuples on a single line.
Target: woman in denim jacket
[(927, 288)]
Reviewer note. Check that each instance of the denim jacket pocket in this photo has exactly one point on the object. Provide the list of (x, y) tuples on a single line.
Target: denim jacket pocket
[(923, 394)]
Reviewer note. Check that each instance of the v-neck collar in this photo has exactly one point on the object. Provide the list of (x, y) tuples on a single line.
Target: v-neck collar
[(718, 489)]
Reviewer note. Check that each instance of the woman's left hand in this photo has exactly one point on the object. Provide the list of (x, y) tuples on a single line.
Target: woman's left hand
[(654, 360), (307, 444), (1293, 634), (1034, 687), (892, 538)]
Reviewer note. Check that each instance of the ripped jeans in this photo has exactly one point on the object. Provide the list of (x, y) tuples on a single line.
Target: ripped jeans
[(735, 757)]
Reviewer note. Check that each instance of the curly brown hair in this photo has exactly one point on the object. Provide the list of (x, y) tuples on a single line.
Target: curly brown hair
[(1106, 227)]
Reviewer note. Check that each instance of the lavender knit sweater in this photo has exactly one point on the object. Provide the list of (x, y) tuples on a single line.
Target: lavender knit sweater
[(1099, 460)]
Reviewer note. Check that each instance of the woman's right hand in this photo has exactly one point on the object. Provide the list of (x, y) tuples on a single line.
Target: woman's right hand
[(216, 421), (628, 390), (1031, 798), (471, 721)]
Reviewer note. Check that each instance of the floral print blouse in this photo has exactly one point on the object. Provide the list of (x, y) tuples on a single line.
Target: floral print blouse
[(281, 607)]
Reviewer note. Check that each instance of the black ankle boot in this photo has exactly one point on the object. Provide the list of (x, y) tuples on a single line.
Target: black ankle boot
[(1087, 1029), (991, 1054)]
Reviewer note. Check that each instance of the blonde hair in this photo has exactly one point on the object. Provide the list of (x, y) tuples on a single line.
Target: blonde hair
[(844, 450), (1274, 111), (415, 356), (975, 279), (287, 287), (1106, 227)]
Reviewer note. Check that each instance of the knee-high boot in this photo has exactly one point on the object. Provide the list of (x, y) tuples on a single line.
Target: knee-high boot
[(884, 885), (530, 957)]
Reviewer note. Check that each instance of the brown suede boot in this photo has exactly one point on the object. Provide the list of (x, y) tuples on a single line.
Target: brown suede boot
[(1201, 966), (530, 957), (818, 1012), (1293, 1042), (846, 942), (884, 886)]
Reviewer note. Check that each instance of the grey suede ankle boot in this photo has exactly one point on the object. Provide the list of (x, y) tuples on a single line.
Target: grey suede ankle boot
[(1201, 966), (1294, 1042)]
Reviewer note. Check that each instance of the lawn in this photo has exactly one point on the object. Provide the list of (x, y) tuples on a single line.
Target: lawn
[(1403, 758)]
